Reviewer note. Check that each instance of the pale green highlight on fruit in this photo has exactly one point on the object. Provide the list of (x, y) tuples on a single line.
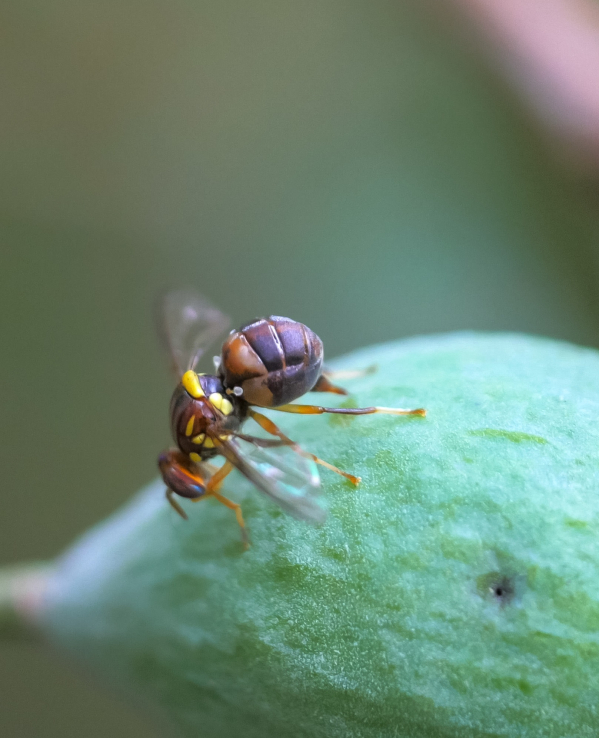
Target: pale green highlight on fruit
[(455, 593), (509, 435)]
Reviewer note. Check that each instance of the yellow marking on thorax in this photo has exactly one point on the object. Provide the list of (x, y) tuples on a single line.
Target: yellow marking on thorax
[(195, 457), (216, 399), (190, 423), (199, 439), (209, 442), (221, 403), (191, 382)]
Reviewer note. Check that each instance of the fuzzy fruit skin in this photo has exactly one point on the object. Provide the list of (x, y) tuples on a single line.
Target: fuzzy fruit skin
[(454, 593)]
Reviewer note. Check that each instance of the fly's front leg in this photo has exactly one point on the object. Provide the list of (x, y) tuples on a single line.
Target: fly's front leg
[(270, 427), (170, 496), (214, 484), (238, 514), (216, 480)]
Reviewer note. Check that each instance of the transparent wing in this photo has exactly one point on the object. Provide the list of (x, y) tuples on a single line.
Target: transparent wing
[(283, 475), (187, 324)]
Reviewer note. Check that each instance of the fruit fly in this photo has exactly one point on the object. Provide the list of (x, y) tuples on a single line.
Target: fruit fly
[(267, 363)]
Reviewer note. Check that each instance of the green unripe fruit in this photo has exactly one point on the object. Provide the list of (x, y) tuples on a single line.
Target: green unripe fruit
[(455, 592)]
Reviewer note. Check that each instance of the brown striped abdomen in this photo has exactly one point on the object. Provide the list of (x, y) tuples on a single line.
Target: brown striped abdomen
[(274, 360)]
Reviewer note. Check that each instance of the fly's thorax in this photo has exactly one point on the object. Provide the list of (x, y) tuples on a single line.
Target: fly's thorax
[(209, 412), (189, 414), (273, 360)]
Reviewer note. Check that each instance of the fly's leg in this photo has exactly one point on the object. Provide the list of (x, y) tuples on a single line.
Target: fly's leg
[(270, 427), (318, 410), (216, 480), (285, 441), (238, 514), (324, 383), (170, 496), (351, 373), (262, 442), (214, 484)]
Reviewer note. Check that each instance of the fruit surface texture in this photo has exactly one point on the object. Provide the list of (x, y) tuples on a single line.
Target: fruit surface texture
[(453, 594)]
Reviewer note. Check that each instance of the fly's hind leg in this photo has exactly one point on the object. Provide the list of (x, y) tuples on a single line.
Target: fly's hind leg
[(319, 410), (270, 427), (324, 383)]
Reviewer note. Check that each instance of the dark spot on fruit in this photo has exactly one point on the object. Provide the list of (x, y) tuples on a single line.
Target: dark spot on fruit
[(503, 589), (498, 587)]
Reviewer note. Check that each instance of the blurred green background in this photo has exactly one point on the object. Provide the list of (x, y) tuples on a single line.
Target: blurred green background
[(355, 165)]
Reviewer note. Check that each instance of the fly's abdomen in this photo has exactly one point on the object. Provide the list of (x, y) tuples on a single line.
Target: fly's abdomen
[(274, 360)]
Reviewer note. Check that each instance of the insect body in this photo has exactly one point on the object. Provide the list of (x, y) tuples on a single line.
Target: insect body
[(200, 405), (267, 363), (273, 360)]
